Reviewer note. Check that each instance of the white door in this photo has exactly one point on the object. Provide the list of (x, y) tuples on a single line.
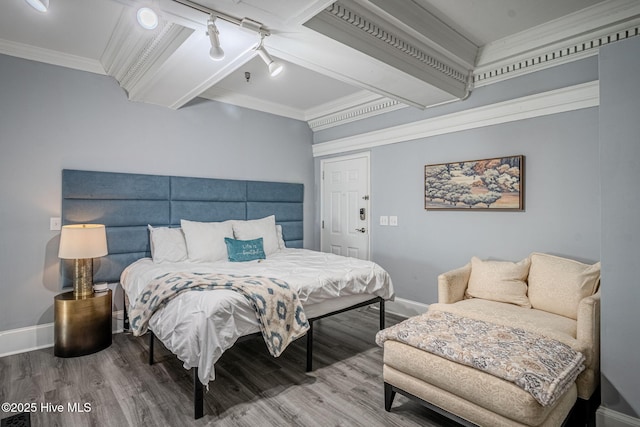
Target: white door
[(345, 206)]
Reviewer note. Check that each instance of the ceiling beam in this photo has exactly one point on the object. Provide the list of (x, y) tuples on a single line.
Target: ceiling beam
[(353, 25)]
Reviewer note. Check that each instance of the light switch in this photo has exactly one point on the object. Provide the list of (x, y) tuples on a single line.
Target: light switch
[(55, 224), (393, 220), (384, 220)]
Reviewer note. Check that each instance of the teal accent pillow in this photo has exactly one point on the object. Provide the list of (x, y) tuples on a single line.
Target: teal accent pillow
[(244, 250)]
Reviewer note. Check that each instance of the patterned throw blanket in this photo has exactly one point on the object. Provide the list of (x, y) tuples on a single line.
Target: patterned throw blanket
[(544, 367), (278, 309)]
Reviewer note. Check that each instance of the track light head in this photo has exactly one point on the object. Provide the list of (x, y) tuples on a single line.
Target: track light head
[(39, 5), (275, 67), (216, 53)]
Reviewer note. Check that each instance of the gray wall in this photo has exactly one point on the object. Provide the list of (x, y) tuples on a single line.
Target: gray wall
[(53, 118), (562, 200), (620, 172)]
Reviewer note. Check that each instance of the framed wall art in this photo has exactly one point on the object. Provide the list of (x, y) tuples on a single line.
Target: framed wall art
[(487, 184)]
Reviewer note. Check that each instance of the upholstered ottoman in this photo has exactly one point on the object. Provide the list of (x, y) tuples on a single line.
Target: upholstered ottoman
[(469, 393)]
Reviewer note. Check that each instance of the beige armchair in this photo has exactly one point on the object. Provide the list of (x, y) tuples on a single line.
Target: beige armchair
[(555, 297)]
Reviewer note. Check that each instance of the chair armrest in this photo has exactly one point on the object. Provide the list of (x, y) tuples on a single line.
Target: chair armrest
[(452, 284), (588, 328)]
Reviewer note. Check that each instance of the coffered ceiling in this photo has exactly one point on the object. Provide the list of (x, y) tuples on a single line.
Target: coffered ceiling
[(343, 59)]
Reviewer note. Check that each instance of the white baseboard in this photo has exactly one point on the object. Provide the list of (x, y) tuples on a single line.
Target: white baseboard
[(26, 339), (36, 337), (610, 418), (405, 307)]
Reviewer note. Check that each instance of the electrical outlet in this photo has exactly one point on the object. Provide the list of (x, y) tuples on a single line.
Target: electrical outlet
[(384, 220), (55, 224), (393, 220)]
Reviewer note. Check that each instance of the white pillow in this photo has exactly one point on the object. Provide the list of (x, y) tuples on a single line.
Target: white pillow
[(205, 240), (501, 281), (252, 229), (167, 244), (281, 244)]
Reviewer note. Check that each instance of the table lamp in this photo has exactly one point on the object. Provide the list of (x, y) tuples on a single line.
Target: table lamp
[(82, 243)]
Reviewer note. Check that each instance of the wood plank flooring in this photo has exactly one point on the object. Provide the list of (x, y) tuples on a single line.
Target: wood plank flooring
[(251, 387)]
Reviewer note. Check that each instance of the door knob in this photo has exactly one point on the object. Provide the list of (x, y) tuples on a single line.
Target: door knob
[(362, 230)]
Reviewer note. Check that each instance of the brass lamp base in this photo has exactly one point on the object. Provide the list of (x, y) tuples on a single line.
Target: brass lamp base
[(83, 277)]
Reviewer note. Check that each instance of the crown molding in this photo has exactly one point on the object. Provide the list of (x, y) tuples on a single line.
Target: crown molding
[(566, 39), (352, 110), (429, 30), (132, 56), (344, 110), (49, 56), (552, 102), (216, 93)]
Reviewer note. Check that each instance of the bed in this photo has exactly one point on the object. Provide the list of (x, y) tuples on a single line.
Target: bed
[(199, 326)]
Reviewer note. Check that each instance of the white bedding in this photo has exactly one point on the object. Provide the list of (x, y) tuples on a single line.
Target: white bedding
[(199, 326)]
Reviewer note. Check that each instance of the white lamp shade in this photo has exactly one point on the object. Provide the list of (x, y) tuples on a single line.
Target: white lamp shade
[(83, 241), (275, 67), (216, 53)]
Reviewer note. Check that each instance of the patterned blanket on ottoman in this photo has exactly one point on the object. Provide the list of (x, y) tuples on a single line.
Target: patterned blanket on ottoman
[(544, 367)]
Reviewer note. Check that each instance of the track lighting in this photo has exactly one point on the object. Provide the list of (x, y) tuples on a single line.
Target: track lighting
[(147, 18), (216, 53), (275, 67), (39, 5)]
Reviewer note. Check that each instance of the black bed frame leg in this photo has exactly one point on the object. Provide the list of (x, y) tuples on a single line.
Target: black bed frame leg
[(150, 348), (198, 396), (382, 320), (125, 320), (389, 394), (310, 347)]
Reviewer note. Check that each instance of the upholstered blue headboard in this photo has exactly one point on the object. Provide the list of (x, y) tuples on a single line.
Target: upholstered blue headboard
[(126, 203)]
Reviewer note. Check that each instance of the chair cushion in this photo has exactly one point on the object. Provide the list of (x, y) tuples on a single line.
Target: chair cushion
[(558, 284), (501, 281), (541, 322)]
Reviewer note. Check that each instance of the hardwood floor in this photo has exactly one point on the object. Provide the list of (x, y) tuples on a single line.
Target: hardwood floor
[(251, 387)]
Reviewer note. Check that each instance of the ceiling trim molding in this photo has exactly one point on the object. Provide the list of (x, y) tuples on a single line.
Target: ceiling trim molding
[(49, 56), (550, 58), (563, 40), (417, 21), (133, 61), (552, 102), (233, 98), (599, 17), (370, 108), (345, 110)]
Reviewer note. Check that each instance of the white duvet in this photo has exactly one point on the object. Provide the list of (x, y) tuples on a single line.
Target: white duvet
[(199, 326)]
